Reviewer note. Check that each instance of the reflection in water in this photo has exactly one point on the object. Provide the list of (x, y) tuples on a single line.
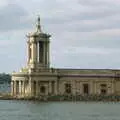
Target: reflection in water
[(30, 110)]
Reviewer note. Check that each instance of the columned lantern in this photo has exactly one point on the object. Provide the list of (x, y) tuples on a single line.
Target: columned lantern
[(38, 48)]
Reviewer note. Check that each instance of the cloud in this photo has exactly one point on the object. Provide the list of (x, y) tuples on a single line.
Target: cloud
[(13, 17), (85, 33), (98, 3)]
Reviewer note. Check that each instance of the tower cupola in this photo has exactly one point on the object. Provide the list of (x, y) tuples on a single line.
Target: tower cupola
[(38, 48)]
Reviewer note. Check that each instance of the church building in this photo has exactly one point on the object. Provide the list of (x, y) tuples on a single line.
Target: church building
[(38, 79)]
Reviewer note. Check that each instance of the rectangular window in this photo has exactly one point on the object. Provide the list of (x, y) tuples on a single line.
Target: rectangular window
[(103, 91)]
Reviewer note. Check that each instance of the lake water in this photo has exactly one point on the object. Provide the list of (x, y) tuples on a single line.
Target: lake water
[(31, 110)]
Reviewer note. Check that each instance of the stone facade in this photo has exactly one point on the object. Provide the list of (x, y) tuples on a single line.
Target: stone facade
[(37, 78)]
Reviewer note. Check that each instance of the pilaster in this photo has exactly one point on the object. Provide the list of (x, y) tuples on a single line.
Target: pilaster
[(73, 88), (30, 87), (55, 85)]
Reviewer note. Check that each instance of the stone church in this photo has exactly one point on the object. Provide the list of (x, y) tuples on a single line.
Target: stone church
[(37, 78)]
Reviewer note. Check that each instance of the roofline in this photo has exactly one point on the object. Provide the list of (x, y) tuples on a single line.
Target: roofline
[(86, 69)]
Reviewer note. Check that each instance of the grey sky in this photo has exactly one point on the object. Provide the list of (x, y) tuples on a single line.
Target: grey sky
[(85, 33)]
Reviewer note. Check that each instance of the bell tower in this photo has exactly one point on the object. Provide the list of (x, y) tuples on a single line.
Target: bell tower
[(38, 48)]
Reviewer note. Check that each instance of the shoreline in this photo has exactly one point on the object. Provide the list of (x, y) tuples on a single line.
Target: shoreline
[(67, 98)]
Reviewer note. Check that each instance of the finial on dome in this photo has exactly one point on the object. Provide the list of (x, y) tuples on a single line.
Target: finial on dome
[(38, 25)]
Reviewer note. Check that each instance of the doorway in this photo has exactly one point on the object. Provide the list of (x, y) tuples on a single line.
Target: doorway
[(85, 88)]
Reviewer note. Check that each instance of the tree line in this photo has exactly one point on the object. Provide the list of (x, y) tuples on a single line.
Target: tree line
[(4, 77)]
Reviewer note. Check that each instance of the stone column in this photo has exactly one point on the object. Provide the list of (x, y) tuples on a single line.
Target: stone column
[(15, 87), (23, 88), (98, 88), (38, 52), (30, 87), (44, 53), (95, 87), (48, 54), (34, 52), (12, 88), (73, 88), (112, 86), (80, 88), (47, 90), (20, 88), (28, 52), (55, 85), (50, 87), (91, 87)]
